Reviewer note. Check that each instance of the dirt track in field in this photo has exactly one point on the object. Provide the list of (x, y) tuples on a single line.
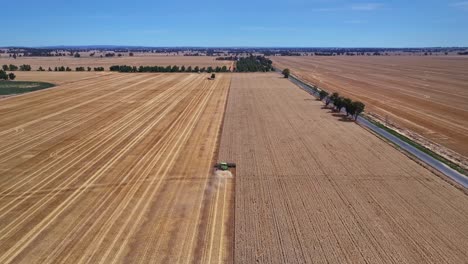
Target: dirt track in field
[(149, 60), (115, 169), (313, 189), (428, 95)]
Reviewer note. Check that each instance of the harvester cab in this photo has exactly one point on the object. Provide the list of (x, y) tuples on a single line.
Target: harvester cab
[(224, 166)]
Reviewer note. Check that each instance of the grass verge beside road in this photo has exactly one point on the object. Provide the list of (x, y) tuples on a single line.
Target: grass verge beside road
[(419, 147)]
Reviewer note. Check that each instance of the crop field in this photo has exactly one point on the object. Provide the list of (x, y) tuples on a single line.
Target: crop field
[(427, 95), (115, 168), (150, 60), (58, 77), (313, 189)]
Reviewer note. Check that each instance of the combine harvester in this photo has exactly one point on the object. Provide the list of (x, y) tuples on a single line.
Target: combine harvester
[(224, 166)]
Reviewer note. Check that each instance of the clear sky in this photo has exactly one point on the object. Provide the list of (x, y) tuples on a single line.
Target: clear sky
[(272, 23)]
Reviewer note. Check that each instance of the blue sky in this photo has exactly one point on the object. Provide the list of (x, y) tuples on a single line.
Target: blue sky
[(298, 23)]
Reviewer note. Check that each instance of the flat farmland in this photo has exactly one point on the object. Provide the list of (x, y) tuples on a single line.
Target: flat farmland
[(312, 189), (116, 168), (143, 60), (428, 95), (58, 78)]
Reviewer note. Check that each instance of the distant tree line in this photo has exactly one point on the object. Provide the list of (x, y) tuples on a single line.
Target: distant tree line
[(11, 67), (26, 67), (229, 58), (254, 64), (175, 68)]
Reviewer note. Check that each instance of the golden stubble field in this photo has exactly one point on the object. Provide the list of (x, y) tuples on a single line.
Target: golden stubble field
[(115, 168), (310, 188), (143, 60), (428, 95)]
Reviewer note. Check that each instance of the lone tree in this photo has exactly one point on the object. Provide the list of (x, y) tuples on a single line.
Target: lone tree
[(11, 76), (130, 54), (3, 75), (286, 72), (77, 55), (359, 108), (323, 94), (5, 67), (213, 76)]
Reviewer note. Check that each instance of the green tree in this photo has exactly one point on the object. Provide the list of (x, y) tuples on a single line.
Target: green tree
[(338, 102), (359, 108), (5, 67), (333, 97), (189, 69), (11, 76), (224, 69), (3, 75), (89, 68), (13, 67), (323, 94), (41, 69), (210, 69), (77, 55), (182, 69), (50, 69), (286, 72), (213, 76), (25, 67), (68, 69), (130, 54), (347, 104), (196, 69)]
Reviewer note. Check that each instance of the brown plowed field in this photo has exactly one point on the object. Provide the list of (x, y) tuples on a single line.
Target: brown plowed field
[(46, 62), (313, 189), (115, 169), (428, 95)]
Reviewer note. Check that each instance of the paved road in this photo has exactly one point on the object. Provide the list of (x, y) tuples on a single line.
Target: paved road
[(443, 168)]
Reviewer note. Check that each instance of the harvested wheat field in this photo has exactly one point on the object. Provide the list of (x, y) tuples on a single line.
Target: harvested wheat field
[(428, 95), (115, 169), (149, 60), (313, 189), (57, 77)]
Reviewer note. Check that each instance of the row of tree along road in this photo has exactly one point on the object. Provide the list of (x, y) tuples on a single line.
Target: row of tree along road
[(353, 108)]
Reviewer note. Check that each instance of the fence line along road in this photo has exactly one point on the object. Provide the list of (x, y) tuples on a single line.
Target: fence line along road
[(427, 159)]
